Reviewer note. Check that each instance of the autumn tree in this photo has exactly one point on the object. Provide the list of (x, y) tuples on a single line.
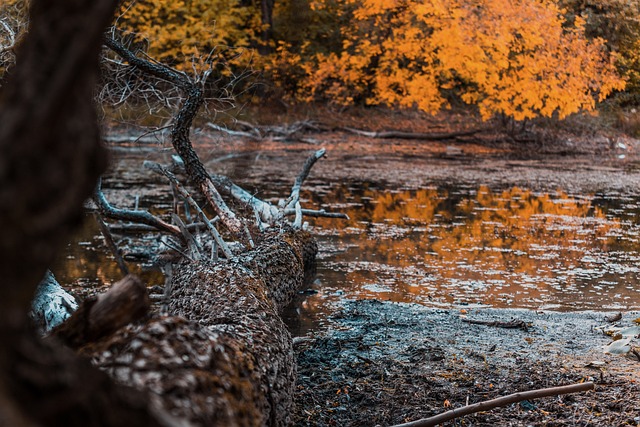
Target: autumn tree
[(186, 33), (517, 58), (618, 23)]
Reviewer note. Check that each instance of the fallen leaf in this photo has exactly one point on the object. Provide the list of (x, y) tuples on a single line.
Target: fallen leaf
[(631, 331), (620, 346), (613, 318)]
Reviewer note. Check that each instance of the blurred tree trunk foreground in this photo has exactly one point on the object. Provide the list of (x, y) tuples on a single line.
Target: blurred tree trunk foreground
[(50, 159)]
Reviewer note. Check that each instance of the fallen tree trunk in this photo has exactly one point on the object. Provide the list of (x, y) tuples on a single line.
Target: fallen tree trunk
[(222, 356)]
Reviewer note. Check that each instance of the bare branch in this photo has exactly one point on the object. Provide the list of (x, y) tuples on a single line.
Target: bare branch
[(234, 132), (171, 177), (495, 403), (143, 228), (293, 202), (111, 244), (317, 213), (142, 217), (193, 94), (194, 248), (414, 135)]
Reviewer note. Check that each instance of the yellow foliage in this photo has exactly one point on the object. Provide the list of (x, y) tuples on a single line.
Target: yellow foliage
[(519, 58), (182, 33)]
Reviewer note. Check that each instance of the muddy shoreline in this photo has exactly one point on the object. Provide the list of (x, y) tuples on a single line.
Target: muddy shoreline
[(383, 363)]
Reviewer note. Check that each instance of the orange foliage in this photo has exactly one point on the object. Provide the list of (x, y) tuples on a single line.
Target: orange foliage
[(618, 22), (419, 239), (519, 58)]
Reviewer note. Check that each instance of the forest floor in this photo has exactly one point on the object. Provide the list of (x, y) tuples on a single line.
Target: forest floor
[(382, 363), (386, 363)]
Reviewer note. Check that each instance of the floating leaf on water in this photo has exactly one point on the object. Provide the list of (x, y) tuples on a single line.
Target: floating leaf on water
[(637, 320), (620, 346)]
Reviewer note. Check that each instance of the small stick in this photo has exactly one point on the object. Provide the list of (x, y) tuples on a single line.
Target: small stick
[(194, 249), (316, 214), (156, 167), (512, 324), (495, 403), (111, 244)]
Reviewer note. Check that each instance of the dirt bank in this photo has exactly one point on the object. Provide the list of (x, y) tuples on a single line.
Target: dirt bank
[(386, 363)]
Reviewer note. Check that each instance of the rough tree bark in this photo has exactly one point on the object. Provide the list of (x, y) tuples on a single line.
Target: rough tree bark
[(222, 356)]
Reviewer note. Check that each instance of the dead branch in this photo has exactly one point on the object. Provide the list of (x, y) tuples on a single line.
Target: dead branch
[(194, 248), (234, 132), (414, 135), (111, 244), (125, 302), (294, 198), (142, 217), (143, 138), (317, 213), (193, 93), (498, 402), (118, 139), (277, 133), (512, 324), (143, 228), (171, 177)]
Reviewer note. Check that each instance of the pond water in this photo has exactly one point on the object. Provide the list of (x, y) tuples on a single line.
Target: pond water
[(442, 245), (454, 246)]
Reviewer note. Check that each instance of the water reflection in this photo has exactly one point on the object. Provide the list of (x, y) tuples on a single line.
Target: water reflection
[(87, 266), (446, 246), (458, 246)]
